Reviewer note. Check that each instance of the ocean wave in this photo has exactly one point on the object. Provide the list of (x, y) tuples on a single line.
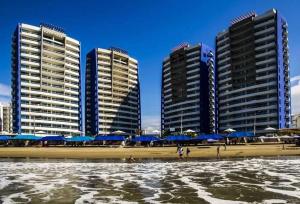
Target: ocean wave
[(225, 181)]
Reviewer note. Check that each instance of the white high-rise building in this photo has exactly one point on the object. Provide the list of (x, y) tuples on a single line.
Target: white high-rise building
[(112, 92), (1, 118), (46, 82), (296, 121), (5, 118)]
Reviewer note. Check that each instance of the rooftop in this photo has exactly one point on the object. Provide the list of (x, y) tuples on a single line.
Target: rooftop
[(116, 49), (53, 27)]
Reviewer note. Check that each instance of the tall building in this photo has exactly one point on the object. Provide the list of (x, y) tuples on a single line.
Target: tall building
[(253, 73), (112, 92), (5, 118), (46, 92), (296, 121), (188, 90), (1, 118)]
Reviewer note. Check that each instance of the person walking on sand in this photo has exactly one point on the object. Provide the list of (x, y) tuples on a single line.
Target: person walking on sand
[(180, 152), (188, 151), (218, 152)]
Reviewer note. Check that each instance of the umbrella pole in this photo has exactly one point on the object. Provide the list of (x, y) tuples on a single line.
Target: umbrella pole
[(181, 123)]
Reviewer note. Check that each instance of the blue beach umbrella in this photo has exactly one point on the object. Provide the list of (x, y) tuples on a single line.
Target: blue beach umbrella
[(240, 134), (210, 137), (4, 138), (110, 138), (52, 138), (178, 138), (25, 137), (80, 139), (145, 138)]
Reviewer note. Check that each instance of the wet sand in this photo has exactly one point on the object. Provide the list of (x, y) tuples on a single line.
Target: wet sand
[(204, 152)]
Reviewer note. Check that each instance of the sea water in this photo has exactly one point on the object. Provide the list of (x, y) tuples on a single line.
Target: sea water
[(257, 180)]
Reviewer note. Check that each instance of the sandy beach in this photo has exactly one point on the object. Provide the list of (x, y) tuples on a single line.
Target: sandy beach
[(151, 152)]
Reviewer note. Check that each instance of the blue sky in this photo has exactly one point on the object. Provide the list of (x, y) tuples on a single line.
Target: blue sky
[(147, 29)]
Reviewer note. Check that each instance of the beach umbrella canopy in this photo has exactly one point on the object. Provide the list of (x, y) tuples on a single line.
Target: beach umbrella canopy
[(265, 137), (80, 139), (4, 138), (40, 132), (110, 138), (103, 133), (270, 129), (25, 137), (156, 132), (212, 140), (4, 132), (118, 132), (210, 137), (178, 138), (53, 138), (286, 136), (189, 131), (145, 138), (296, 136), (229, 130), (240, 134)]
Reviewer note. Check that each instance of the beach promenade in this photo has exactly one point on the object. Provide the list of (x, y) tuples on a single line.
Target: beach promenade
[(204, 152)]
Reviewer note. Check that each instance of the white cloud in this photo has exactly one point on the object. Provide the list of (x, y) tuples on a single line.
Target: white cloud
[(4, 100), (150, 123), (295, 78), (295, 81), (5, 94), (5, 90), (295, 94)]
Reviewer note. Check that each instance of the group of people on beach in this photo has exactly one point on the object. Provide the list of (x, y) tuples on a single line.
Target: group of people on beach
[(180, 151)]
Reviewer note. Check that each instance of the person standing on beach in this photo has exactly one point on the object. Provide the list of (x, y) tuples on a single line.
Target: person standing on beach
[(187, 153), (180, 152), (178, 147), (218, 152)]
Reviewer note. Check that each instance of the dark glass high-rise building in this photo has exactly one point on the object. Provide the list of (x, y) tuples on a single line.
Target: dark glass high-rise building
[(188, 90), (253, 73)]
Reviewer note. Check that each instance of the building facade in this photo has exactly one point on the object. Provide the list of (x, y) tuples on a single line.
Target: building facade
[(253, 73), (46, 81), (296, 121), (5, 118), (188, 90), (112, 92), (1, 118)]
